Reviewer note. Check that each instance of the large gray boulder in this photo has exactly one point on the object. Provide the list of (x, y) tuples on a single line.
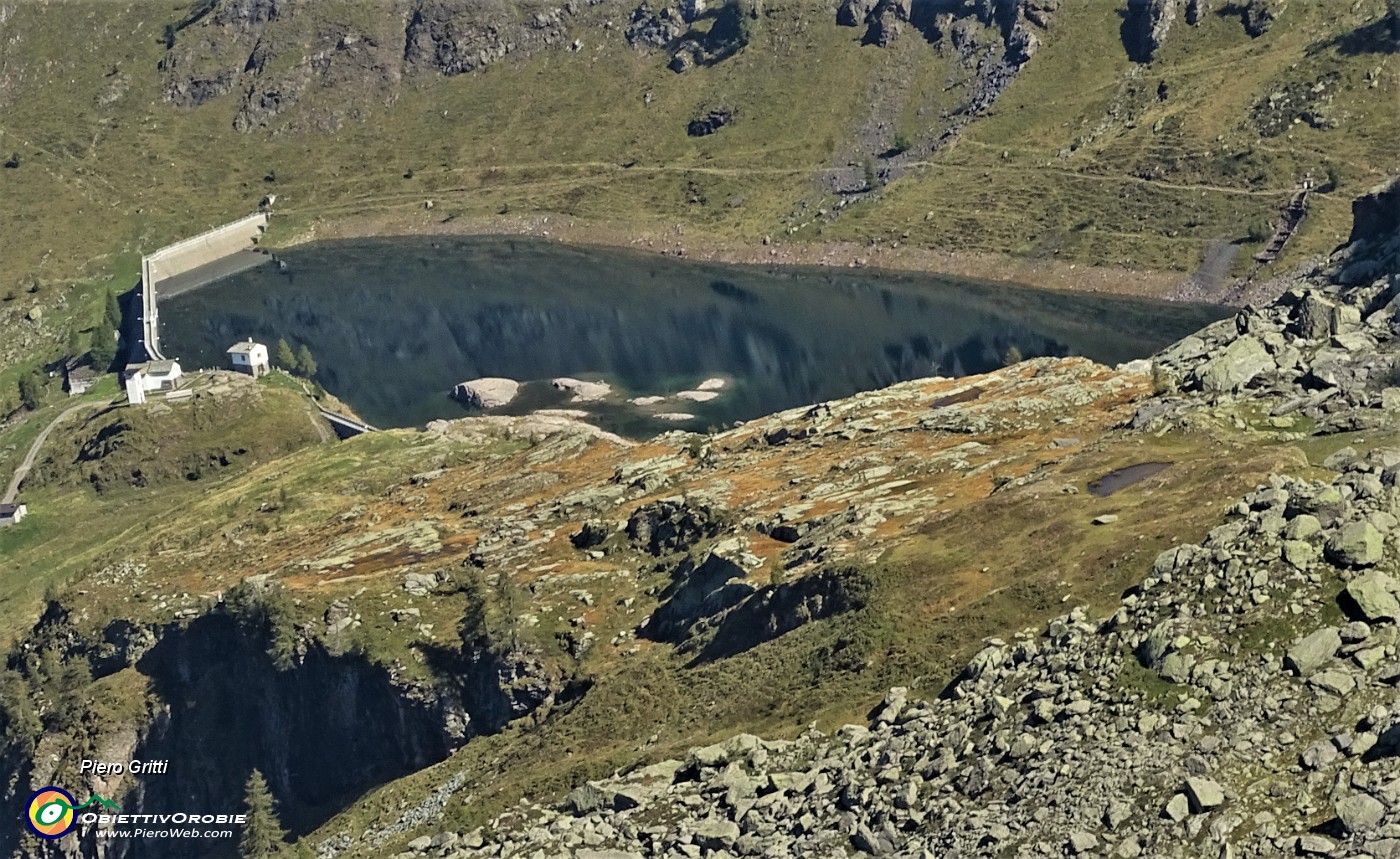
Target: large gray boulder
[(1356, 544), (1204, 794), (1359, 812), (1314, 319), (1239, 364), (1374, 596), (1311, 652), (716, 834), (488, 393)]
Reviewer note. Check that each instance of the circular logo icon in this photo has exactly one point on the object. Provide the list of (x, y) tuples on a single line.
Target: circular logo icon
[(50, 812)]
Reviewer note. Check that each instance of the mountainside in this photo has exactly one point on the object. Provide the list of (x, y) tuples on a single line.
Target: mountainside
[(1140, 135), (408, 632), (1059, 608)]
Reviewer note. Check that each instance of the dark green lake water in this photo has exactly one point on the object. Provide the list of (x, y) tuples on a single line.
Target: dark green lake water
[(395, 323)]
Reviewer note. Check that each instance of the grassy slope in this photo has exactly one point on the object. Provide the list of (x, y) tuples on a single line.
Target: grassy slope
[(547, 135), (1211, 174), (73, 529)]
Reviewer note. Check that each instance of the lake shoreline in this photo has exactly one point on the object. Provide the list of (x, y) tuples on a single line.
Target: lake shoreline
[(679, 242)]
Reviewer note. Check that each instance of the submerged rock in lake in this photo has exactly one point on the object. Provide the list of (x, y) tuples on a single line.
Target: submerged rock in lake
[(583, 391)]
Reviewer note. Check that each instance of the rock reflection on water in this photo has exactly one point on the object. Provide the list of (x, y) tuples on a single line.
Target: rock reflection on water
[(395, 324)]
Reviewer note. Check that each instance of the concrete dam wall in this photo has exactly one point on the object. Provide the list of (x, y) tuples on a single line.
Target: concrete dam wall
[(185, 256)]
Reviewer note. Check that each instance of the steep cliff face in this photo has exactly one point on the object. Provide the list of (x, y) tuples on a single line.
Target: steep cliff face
[(323, 727), (1376, 215), (321, 732), (1145, 27)]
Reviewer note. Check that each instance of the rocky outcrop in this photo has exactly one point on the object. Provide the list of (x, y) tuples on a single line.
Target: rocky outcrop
[(698, 594), (1326, 353), (855, 13), (883, 19), (1146, 25), (1260, 15), (887, 20), (273, 58), (1375, 216), (1018, 25), (652, 29), (487, 393), (454, 37), (713, 120), (779, 609), (1196, 11), (670, 526)]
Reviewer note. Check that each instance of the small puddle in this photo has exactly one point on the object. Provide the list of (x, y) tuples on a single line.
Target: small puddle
[(1122, 478)]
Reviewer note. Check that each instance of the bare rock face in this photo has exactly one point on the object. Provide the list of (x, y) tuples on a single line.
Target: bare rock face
[(1376, 215), (454, 37), (883, 18), (1145, 27), (854, 13), (1260, 15), (1196, 11)]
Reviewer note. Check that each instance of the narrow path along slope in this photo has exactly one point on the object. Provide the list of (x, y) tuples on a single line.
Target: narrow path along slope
[(23, 471)]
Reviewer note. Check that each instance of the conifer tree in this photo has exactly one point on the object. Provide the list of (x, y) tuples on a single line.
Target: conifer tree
[(262, 833), (31, 389), (286, 358), (305, 362), (112, 312), (104, 349)]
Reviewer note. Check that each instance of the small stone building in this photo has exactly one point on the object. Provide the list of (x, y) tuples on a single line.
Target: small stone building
[(80, 378), (249, 357), (11, 514)]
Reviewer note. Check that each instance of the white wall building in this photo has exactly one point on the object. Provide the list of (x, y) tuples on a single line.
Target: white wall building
[(249, 357), (140, 379), (163, 375), (11, 514)]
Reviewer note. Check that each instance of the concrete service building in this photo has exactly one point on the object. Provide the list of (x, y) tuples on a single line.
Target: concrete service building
[(249, 357)]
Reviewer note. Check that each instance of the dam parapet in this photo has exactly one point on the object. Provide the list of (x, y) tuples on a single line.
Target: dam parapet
[(212, 248)]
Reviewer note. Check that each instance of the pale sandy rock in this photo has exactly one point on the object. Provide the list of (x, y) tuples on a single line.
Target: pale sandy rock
[(697, 396), (487, 393), (583, 391)]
